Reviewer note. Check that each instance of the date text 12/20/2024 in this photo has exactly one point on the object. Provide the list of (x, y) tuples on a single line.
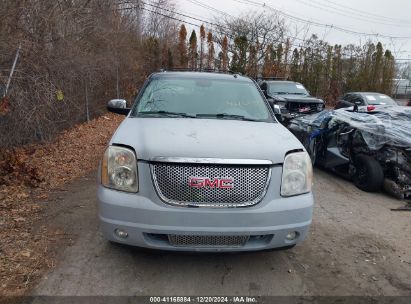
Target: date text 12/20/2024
[(199, 299)]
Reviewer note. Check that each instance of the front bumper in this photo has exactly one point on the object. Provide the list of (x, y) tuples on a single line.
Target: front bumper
[(148, 221)]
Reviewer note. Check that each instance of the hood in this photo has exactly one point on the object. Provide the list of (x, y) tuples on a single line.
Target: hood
[(298, 98), (205, 138)]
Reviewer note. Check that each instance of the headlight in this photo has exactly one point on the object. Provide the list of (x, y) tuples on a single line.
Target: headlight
[(119, 169), (283, 109), (297, 174), (321, 106)]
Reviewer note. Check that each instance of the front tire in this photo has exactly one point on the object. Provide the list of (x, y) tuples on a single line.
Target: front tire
[(369, 175)]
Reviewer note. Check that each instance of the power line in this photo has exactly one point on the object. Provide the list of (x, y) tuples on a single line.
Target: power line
[(212, 9), (208, 7), (214, 24), (356, 10), (186, 16), (301, 47), (338, 28), (172, 17), (346, 13)]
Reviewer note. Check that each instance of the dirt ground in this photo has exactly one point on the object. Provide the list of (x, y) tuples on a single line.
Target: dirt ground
[(28, 174), (357, 246)]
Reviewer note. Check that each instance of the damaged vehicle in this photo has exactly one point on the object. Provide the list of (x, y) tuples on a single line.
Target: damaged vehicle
[(292, 98), (370, 145)]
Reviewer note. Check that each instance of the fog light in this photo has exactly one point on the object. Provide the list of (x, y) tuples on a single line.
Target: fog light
[(122, 234), (292, 235)]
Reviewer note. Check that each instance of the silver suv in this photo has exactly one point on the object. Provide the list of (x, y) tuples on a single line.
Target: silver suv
[(200, 163)]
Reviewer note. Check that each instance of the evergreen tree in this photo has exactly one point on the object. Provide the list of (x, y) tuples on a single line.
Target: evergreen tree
[(388, 73), (202, 39), (268, 63), (224, 54), (152, 53), (295, 66), (192, 53), (305, 58), (328, 68), (211, 51), (220, 62), (351, 70), (278, 61), (240, 50), (252, 67), (377, 68), (336, 77), (182, 46), (286, 54), (170, 61), (365, 82)]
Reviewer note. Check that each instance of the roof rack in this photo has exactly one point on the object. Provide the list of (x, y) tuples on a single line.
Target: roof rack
[(197, 70)]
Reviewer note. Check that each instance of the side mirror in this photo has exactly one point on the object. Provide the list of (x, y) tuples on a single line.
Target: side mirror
[(271, 102), (277, 112), (356, 104), (276, 109), (118, 106)]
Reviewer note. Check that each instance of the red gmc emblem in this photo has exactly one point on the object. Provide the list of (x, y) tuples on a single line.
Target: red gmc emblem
[(205, 182)]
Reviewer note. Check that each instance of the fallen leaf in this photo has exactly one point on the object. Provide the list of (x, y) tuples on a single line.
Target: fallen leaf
[(25, 253)]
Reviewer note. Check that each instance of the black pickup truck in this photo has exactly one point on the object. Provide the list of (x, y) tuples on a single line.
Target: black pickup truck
[(292, 98)]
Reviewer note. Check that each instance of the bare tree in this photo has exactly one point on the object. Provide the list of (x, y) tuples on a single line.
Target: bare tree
[(259, 28), (75, 55)]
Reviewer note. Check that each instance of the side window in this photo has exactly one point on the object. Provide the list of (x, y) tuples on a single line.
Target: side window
[(358, 99), (347, 97)]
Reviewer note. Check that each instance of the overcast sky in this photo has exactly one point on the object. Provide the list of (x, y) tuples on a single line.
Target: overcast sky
[(385, 17)]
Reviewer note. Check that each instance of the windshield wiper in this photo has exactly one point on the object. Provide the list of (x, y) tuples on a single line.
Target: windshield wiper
[(281, 93), (167, 113), (225, 115)]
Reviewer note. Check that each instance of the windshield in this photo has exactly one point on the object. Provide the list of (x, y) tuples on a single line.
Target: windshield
[(286, 88), (379, 99), (202, 97)]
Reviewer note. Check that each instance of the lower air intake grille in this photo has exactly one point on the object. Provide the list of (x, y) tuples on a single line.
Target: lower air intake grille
[(208, 240)]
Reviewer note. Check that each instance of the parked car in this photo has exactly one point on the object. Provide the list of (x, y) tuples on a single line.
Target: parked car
[(372, 147), (364, 99), (201, 164), (292, 97)]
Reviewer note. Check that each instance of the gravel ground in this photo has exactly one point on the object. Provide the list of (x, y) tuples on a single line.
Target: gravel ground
[(357, 246)]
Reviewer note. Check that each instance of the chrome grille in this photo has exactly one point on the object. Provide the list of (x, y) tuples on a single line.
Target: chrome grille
[(172, 184), (207, 240)]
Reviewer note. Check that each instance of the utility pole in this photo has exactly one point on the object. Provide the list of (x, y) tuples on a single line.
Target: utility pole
[(117, 87), (12, 70), (87, 111)]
